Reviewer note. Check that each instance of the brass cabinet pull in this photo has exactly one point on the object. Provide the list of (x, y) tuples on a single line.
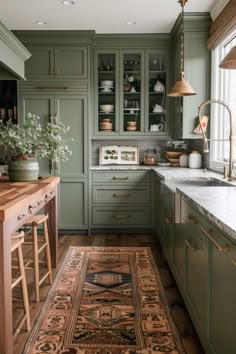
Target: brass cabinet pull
[(191, 219), (121, 216), (224, 248), (120, 194), (186, 220), (123, 178), (169, 220), (190, 246), (233, 262)]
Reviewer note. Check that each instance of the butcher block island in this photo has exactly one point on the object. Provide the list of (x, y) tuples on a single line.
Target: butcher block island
[(18, 202)]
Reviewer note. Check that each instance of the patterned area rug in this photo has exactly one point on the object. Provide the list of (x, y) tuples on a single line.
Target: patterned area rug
[(105, 301)]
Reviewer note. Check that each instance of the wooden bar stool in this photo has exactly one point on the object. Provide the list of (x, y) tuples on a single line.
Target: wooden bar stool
[(16, 246), (40, 244)]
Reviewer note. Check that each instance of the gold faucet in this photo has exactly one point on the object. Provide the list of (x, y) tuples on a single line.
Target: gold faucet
[(230, 175)]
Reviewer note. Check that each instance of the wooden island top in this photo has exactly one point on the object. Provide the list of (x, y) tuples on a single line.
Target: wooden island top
[(18, 202)]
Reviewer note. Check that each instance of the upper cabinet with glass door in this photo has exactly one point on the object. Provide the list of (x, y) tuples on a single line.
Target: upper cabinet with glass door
[(156, 81), (132, 92), (106, 97)]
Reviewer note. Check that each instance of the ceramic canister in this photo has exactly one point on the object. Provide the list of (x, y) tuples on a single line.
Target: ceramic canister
[(183, 160), (195, 159)]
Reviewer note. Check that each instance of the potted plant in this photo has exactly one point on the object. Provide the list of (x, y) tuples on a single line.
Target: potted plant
[(25, 145)]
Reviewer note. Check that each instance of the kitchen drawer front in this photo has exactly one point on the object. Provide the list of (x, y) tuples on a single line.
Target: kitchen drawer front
[(121, 194), (121, 216), (121, 177)]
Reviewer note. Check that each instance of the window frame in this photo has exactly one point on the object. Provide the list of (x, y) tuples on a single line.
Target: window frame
[(218, 92)]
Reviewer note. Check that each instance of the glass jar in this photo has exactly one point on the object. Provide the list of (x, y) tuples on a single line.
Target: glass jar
[(150, 157)]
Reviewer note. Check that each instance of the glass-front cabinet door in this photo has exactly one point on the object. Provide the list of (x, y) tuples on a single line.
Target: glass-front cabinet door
[(132, 92), (106, 92), (156, 82)]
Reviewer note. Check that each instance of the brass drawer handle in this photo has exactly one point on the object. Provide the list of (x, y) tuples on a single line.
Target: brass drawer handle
[(169, 220), (190, 246), (121, 216), (120, 194), (123, 178), (191, 219), (233, 262), (224, 248)]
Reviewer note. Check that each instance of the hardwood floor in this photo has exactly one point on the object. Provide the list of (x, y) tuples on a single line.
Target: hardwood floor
[(180, 315)]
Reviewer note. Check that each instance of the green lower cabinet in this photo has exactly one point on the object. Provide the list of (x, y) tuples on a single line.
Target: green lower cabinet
[(121, 199), (73, 206), (222, 297), (196, 279), (179, 262)]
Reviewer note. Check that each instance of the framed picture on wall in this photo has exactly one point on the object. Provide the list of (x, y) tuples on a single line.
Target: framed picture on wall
[(119, 155)]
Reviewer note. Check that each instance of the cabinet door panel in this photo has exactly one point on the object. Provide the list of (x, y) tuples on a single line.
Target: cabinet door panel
[(43, 107), (41, 64), (72, 111), (71, 63), (196, 278), (222, 334), (73, 205)]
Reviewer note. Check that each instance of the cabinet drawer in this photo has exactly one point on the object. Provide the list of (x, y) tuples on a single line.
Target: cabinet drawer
[(121, 216), (121, 177), (122, 195)]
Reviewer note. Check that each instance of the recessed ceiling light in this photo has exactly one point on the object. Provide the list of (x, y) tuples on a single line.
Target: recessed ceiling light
[(130, 23), (41, 23), (68, 2)]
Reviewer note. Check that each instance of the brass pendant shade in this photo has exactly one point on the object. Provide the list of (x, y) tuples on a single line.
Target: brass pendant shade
[(181, 88), (229, 61)]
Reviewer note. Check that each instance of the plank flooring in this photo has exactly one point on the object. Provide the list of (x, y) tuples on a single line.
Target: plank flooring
[(180, 315)]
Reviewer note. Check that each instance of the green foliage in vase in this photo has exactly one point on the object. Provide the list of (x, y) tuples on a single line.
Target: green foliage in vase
[(33, 141)]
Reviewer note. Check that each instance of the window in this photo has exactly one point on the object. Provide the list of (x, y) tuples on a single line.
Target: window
[(223, 88)]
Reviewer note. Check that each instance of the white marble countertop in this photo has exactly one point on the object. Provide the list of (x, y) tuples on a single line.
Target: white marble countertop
[(218, 203)]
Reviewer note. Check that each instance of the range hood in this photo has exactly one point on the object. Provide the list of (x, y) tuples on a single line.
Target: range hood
[(12, 56)]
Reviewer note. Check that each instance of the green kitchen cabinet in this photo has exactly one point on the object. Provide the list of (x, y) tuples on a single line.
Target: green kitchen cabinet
[(121, 199), (197, 69), (164, 212), (196, 268), (60, 62), (128, 84), (221, 335), (72, 110), (73, 205)]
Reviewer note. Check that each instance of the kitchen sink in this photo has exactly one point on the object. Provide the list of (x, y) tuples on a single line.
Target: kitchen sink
[(207, 181)]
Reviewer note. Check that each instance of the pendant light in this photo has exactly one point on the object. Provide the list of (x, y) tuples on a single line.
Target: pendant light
[(229, 61), (181, 87)]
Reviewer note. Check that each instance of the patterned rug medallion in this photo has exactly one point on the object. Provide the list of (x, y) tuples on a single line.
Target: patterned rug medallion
[(105, 301)]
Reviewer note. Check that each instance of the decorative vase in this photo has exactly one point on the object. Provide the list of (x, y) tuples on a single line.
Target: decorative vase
[(23, 170)]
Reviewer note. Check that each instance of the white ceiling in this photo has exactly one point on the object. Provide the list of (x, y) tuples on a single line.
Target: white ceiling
[(103, 16)]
